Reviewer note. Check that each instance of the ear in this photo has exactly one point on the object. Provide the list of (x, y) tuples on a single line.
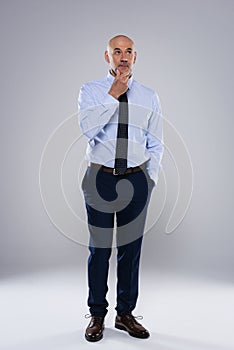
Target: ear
[(106, 57), (135, 56)]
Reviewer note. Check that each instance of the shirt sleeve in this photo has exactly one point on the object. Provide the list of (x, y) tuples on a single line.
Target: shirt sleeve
[(155, 140), (94, 111)]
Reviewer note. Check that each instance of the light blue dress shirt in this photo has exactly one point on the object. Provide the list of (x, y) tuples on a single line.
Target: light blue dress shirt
[(98, 118)]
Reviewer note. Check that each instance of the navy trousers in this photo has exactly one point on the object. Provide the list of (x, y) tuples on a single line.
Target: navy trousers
[(125, 199)]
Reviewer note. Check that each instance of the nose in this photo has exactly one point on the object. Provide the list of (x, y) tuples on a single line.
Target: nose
[(124, 57), (124, 60)]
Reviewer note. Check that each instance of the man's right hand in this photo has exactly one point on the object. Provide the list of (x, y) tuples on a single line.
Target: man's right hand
[(120, 84)]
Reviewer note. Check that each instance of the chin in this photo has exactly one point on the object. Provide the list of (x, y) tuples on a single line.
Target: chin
[(124, 69)]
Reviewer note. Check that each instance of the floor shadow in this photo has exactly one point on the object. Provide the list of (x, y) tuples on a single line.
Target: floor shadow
[(114, 339)]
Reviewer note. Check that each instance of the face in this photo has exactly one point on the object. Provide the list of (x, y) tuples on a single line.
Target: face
[(120, 55)]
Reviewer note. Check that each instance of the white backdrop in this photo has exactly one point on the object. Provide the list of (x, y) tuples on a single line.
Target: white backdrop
[(185, 52)]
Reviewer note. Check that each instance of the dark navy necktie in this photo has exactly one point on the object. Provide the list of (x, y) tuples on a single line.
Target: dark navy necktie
[(122, 136)]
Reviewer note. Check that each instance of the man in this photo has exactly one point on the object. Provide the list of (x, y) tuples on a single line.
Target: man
[(123, 122)]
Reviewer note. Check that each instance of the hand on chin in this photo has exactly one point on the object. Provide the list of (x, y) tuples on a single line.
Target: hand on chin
[(124, 70)]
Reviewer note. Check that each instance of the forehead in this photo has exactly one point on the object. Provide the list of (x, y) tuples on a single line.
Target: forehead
[(122, 43)]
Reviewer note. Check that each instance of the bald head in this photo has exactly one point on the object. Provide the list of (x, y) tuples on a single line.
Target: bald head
[(120, 38)]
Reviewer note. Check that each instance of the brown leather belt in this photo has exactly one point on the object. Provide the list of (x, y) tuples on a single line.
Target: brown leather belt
[(112, 170)]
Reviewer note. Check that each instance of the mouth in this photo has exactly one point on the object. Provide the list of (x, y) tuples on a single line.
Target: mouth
[(125, 65)]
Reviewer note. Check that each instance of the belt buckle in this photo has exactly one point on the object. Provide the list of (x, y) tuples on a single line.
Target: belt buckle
[(114, 172)]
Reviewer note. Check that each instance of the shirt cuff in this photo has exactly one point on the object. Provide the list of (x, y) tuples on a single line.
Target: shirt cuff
[(109, 100), (154, 175)]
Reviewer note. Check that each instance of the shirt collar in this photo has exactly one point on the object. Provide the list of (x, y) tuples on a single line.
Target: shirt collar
[(111, 78)]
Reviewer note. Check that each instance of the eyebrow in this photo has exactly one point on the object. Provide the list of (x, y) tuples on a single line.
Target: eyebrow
[(117, 48)]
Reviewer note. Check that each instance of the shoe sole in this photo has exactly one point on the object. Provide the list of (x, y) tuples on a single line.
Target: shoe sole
[(122, 328)]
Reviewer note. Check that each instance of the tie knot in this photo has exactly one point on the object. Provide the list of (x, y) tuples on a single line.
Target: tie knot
[(123, 97)]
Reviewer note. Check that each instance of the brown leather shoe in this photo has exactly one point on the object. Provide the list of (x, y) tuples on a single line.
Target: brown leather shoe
[(94, 331), (129, 324)]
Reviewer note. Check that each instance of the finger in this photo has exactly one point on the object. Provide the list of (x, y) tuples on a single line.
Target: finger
[(124, 79), (126, 73)]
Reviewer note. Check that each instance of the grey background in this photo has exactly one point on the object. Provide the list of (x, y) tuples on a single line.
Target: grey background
[(185, 52)]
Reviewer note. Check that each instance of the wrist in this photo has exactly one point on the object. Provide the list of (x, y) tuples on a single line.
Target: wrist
[(113, 94)]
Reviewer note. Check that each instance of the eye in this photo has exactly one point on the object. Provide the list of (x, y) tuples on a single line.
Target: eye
[(117, 52), (129, 52)]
